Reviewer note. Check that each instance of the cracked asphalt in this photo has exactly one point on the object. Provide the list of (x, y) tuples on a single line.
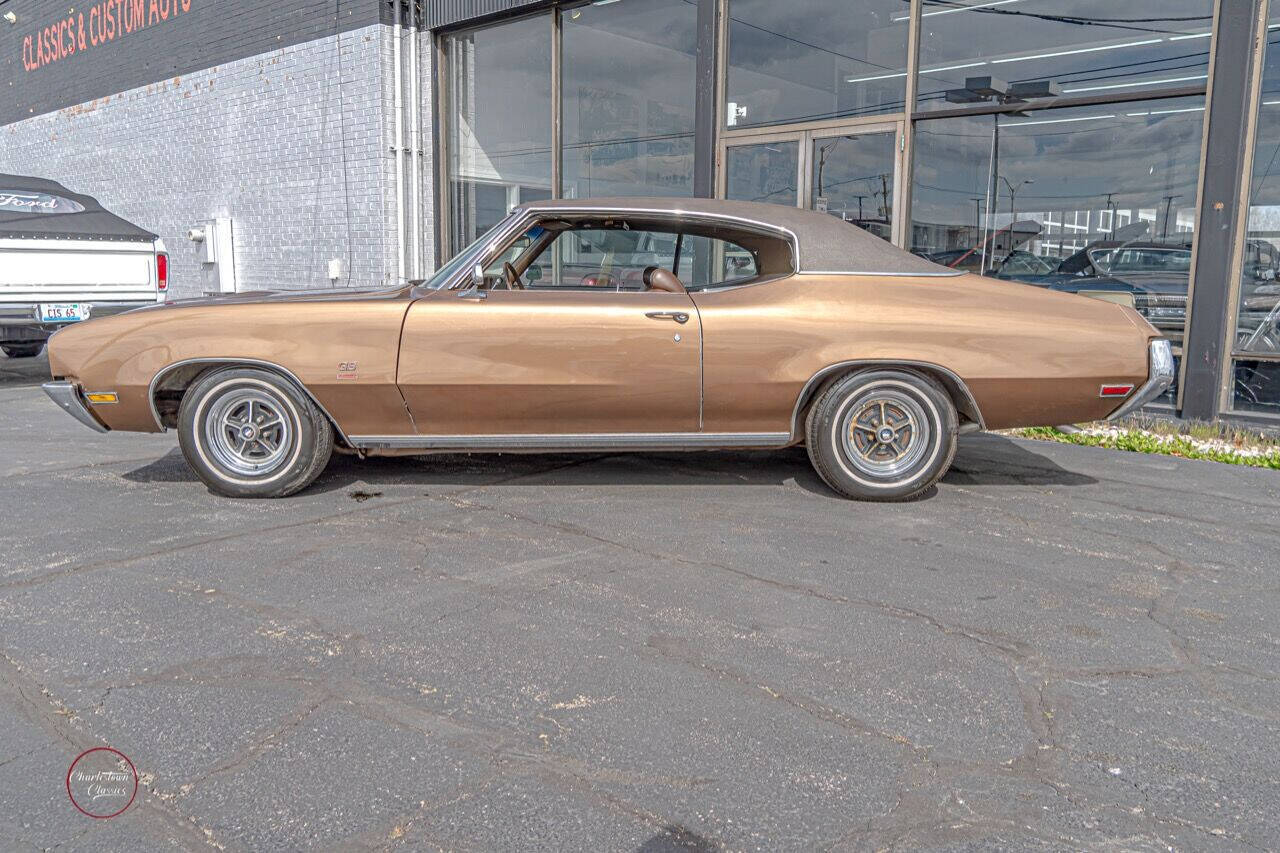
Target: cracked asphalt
[(1060, 648)]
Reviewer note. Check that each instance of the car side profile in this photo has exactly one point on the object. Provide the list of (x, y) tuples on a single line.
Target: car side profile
[(618, 325)]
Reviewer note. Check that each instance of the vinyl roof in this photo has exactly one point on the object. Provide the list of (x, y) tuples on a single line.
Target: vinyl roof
[(825, 243), (90, 222)]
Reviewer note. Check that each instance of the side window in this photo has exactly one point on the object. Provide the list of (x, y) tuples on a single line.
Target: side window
[(711, 262), (613, 258)]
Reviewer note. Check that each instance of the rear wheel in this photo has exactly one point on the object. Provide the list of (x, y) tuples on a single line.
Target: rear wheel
[(882, 435), (22, 350), (250, 433)]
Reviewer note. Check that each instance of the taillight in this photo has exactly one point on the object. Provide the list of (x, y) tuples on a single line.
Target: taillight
[(162, 270)]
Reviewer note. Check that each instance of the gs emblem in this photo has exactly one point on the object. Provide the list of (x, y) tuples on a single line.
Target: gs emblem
[(346, 370)]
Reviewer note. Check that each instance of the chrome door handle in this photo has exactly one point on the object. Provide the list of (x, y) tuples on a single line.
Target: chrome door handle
[(678, 316)]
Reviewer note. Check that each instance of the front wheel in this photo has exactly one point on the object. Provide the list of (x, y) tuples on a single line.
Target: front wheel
[(882, 435), (250, 433)]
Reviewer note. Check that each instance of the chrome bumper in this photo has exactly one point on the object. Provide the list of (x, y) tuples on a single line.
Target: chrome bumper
[(1159, 378), (28, 313), (68, 396)]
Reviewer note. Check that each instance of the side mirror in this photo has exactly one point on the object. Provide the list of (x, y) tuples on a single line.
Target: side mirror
[(533, 273), (477, 276)]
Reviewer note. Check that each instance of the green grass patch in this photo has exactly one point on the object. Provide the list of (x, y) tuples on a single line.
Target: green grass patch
[(1142, 442)]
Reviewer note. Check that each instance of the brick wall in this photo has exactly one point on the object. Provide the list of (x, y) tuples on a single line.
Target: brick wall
[(293, 144)]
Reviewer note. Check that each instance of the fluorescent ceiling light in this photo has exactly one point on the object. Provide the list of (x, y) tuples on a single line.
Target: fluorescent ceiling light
[(902, 18), (922, 71), (1076, 51), (951, 67), (1056, 120), (876, 77), (1167, 112), (1138, 83)]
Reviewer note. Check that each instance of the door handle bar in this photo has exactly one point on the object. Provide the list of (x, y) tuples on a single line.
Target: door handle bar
[(678, 316)]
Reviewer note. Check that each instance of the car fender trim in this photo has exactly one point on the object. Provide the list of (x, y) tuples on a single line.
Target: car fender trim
[(810, 387), (232, 361)]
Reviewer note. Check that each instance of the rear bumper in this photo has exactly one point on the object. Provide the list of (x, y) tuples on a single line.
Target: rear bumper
[(68, 397), (27, 314), (1159, 378)]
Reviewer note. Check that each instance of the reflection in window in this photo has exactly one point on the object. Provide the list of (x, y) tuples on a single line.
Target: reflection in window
[(764, 171), (712, 262), (628, 82), (1096, 200), (499, 101), (610, 258), (1257, 382), (830, 59), (853, 179), (975, 51)]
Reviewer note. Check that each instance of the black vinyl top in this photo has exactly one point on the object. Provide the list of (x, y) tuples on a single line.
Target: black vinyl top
[(37, 208)]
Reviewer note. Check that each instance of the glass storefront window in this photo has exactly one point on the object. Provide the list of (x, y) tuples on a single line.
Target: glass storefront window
[(628, 82), (1096, 200), (853, 179), (499, 123), (1256, 380), (763, 171), (821, 59), (974, 51)]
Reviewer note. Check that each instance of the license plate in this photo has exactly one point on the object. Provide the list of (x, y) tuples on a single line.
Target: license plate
[(63, 312)]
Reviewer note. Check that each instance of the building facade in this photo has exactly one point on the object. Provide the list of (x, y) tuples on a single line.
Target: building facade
[(1126, 150)]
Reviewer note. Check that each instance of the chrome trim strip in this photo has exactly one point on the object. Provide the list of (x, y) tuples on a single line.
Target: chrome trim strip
[(879, 274), (678, 213), (68, 398), (880, 362), (232, 361), (1160, 374), (574, 442)]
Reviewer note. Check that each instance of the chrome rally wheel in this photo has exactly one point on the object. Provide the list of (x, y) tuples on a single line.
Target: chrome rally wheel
[(885, 434), (882, 434), (250, 432)]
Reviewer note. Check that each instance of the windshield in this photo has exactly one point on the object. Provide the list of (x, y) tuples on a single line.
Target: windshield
[(448, 271)]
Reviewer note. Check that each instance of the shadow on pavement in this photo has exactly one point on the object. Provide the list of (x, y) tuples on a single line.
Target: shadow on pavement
[(985, 460), (19, 372)]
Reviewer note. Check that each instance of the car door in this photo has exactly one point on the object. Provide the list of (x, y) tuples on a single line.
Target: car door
[(583, 349)]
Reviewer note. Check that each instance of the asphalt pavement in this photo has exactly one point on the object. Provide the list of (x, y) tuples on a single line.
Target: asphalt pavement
[(1058, 648)]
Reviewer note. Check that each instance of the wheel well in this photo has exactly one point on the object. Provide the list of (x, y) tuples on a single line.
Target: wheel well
[(171, 385), (961, 397)]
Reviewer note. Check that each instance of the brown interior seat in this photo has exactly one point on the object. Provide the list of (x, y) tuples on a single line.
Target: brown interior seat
[(656, 278)]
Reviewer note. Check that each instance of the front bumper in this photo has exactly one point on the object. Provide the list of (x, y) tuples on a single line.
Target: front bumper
[(1160, 375), (67, 395)]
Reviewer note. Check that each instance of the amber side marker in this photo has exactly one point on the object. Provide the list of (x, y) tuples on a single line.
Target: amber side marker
[(102, 397)]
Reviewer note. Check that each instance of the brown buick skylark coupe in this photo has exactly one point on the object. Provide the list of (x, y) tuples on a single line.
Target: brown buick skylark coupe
[(611, 325)]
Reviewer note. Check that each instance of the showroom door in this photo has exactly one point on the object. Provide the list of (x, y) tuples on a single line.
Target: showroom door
[(847, 170)]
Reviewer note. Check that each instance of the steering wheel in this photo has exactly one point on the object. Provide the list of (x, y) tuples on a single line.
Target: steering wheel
[(513, 277)]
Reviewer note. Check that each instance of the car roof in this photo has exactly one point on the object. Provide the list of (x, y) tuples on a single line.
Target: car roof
[(824, 243)]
